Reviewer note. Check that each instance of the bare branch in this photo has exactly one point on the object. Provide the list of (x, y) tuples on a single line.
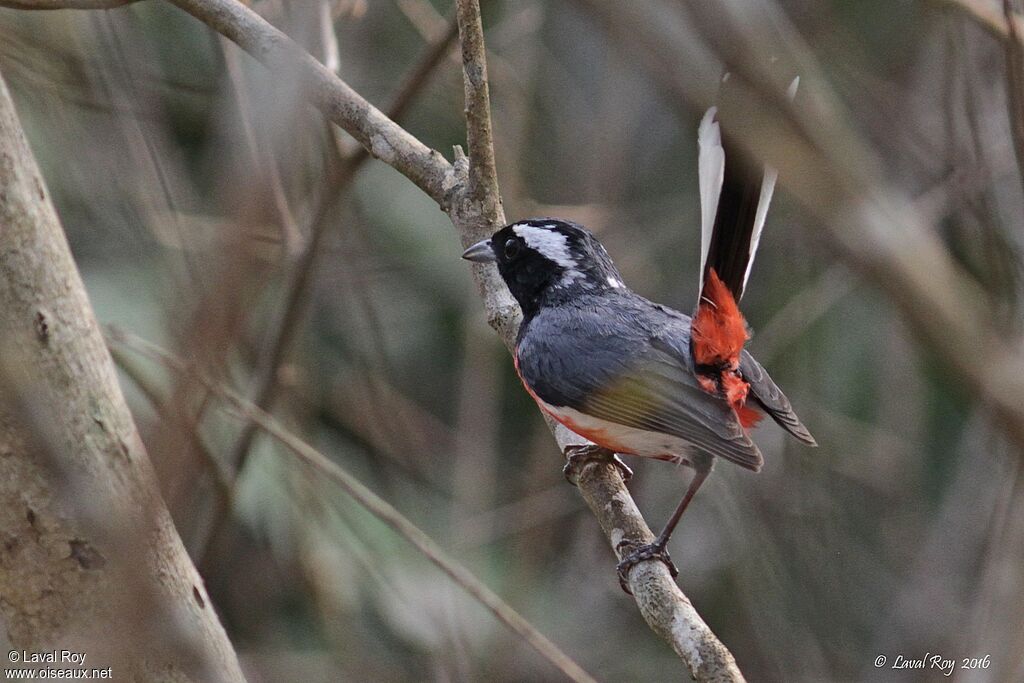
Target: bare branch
[(663, 605), (476, 214), (385, 139), (483, 176), (372, 503), (479, 212)]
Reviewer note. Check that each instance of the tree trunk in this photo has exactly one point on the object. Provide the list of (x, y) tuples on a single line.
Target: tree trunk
[(89, 559)]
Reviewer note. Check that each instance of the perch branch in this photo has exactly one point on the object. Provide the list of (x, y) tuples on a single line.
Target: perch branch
[(663, 605), (483, 174)]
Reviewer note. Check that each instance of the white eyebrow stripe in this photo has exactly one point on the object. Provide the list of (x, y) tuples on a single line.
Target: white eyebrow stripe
[(549, 243)]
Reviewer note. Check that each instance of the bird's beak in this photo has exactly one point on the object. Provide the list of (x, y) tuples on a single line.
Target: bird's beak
[(480, 252)]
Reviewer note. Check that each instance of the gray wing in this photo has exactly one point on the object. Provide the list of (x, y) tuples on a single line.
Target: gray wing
[(771, 398), (618, 373)]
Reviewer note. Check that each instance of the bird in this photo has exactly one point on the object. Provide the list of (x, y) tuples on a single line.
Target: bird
[(635, 377)]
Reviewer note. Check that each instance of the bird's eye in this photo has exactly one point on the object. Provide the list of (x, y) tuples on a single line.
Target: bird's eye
[(512, 249)]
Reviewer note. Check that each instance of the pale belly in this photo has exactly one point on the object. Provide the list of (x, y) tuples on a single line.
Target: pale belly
[(620, 438)]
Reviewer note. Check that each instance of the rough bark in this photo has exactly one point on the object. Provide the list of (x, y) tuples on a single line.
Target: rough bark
[(89, 558)]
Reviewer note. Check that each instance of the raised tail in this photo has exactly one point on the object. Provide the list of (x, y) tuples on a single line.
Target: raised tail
[(735, 194)]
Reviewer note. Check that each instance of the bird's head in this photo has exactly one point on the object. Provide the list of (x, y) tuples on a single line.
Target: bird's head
[(546, 261)]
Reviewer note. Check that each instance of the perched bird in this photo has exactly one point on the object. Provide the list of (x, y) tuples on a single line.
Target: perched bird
[(635, 377)]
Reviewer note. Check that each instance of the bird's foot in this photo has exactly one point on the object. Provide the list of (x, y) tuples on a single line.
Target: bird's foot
[(642, 553), (578, 456)]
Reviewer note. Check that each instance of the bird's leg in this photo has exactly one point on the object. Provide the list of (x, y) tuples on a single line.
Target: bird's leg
[(657, 549), (578, 456)]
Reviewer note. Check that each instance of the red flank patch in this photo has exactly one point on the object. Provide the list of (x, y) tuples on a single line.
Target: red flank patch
[(717, 336)]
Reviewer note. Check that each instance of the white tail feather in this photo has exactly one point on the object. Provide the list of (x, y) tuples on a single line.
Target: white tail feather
[(771, 175), (791, 90), (710, 173), (763, 202)]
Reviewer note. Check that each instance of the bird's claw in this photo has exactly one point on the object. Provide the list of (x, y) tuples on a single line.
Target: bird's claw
[(578, 456), (648, 551)]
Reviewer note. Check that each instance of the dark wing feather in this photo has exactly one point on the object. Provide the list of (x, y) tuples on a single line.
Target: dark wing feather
[(770, 397), (615, 373)]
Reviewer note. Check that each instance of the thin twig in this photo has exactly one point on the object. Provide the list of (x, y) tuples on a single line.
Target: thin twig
[(370, 501), (262, 160), (152, 395)]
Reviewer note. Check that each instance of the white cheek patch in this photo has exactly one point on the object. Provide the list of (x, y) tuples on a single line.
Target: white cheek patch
[(550, 244)]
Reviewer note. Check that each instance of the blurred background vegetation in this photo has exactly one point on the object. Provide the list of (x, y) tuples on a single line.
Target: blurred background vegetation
[(189, 181)]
